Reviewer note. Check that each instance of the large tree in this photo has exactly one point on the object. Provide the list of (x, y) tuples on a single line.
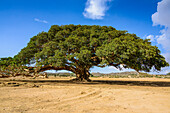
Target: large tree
[(78, 48)]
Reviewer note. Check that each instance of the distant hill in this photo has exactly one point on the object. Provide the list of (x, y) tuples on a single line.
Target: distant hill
[(114, 74), (96, 74), (129, 74)]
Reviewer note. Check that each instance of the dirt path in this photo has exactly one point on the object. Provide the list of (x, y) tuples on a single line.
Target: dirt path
[(22, 97)]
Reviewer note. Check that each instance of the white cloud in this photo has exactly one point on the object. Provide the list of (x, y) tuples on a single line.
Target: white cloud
[(151, 37), (166, 70), (162, 18), (164, 39), (96, 9), (167, 57), (42, 21)]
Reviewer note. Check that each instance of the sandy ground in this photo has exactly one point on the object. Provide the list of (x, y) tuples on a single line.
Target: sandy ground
[(51, 97)]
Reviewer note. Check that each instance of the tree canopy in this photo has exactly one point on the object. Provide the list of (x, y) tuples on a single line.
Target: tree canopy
[(77, 48)]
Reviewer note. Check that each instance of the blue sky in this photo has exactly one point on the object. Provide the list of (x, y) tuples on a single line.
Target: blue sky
[(22, 19)]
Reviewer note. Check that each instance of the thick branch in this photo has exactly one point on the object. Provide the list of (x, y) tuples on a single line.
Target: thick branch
[(48, 67)]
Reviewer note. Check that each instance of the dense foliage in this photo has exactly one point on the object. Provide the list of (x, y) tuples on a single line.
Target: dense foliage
[(78, 48)]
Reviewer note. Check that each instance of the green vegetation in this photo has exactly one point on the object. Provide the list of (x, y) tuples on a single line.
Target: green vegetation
[(78, 48)]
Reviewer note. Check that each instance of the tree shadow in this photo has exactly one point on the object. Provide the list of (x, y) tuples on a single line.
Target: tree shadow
[(95, 82), (134, 83)]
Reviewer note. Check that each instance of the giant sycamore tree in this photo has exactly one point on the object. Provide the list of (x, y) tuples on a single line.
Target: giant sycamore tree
[(78, 48)]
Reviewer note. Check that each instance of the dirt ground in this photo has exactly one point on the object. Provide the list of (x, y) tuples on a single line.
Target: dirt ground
[(58, 97)]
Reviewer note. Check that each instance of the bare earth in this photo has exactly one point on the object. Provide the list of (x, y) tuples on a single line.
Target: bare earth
[(57, 97)]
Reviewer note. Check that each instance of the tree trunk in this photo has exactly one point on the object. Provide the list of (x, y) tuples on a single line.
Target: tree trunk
[(83, 75)]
